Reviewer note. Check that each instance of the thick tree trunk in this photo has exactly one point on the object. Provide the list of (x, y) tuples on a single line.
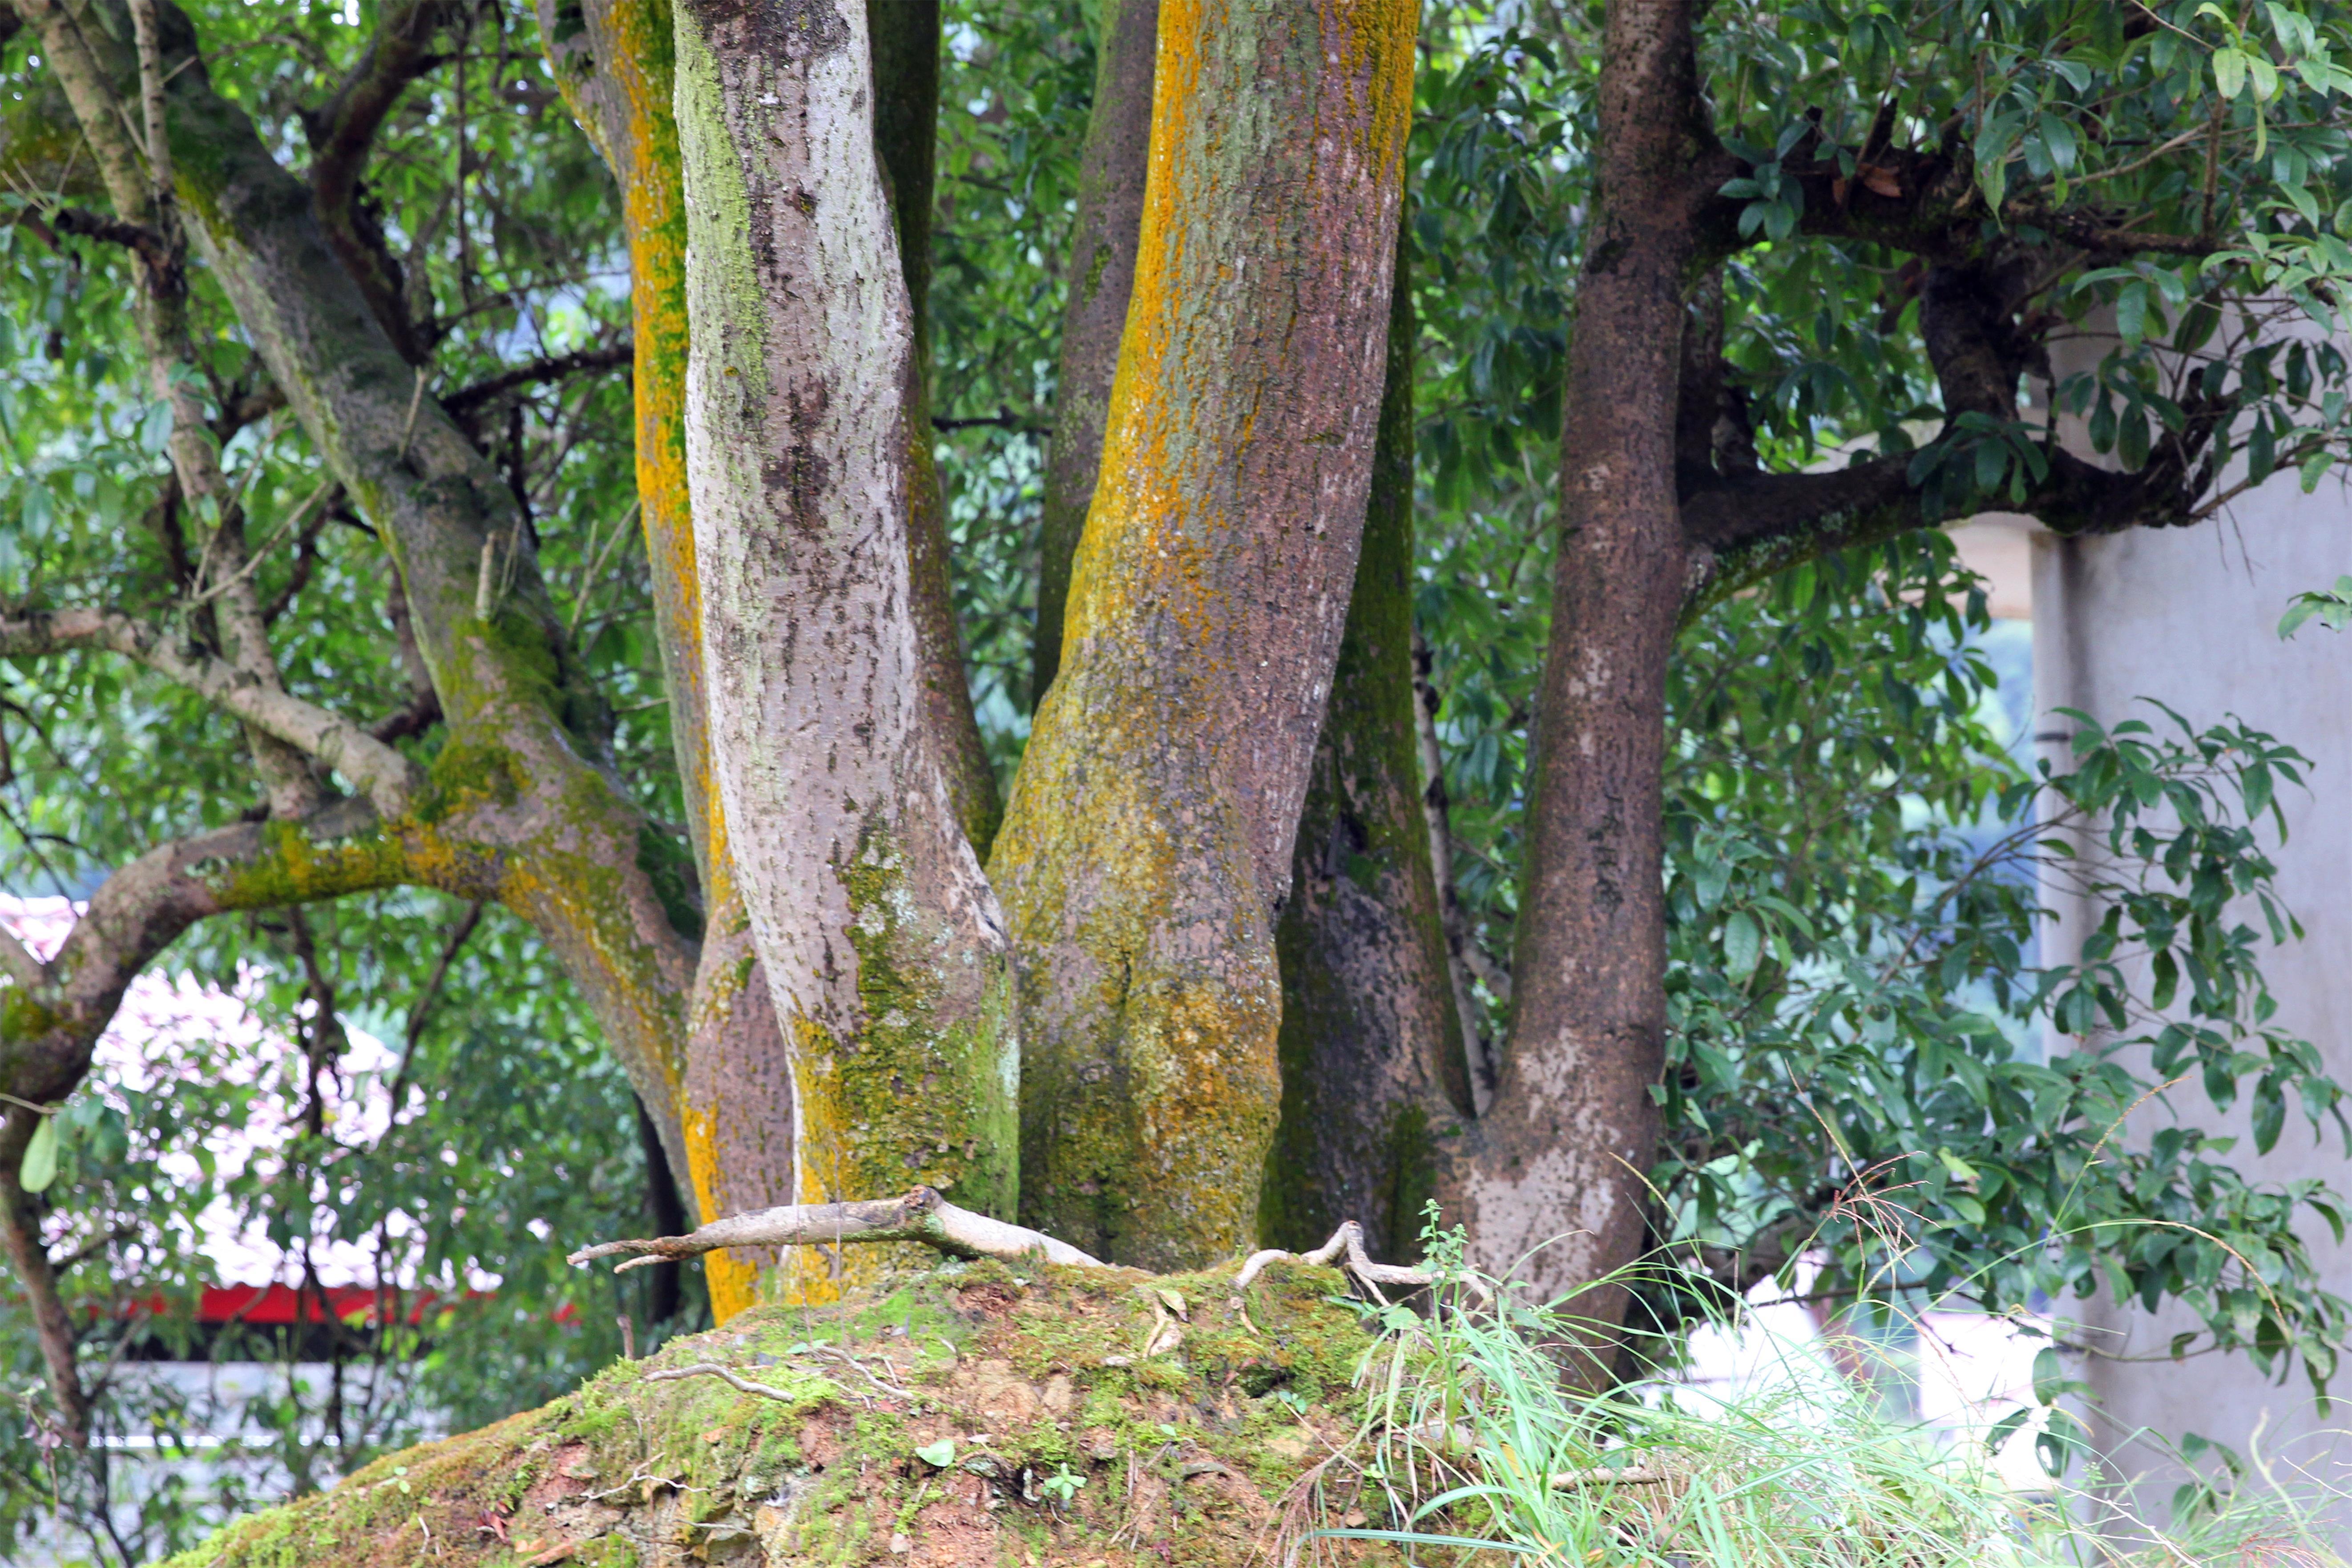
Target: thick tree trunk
[(881, 940), (1111, 175), (1146, 849), (1572, 1131), (564, 846), (906, 137), (1374, 1070)]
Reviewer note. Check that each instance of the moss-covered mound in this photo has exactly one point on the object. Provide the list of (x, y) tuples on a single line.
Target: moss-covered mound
[(973, 1416)]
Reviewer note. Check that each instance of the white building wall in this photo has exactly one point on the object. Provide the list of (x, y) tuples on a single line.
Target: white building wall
[(2191, 617)]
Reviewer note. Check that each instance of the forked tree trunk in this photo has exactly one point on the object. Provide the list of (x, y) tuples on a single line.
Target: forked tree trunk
[(1111, 173), (1146, 849), (1374, 1078), (881, 940), (1562, 1152)]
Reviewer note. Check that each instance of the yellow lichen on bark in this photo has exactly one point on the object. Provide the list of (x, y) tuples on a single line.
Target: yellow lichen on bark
[(1147, 844)]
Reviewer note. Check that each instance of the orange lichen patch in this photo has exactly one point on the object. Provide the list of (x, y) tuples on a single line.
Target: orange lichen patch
[(733, 1282)]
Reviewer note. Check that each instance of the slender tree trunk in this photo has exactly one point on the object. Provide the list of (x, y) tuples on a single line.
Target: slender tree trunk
[(1573, 1130), (881, 940), (1373, 1071), (617, 70), (1111, 171), (1146, 850), (906, 137)]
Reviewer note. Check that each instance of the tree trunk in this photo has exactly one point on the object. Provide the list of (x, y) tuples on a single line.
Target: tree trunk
[(1111, 171), (1146, 849), (906, 137), (1374, 1070), (617, 73), (1563, 1150), (881, 940)]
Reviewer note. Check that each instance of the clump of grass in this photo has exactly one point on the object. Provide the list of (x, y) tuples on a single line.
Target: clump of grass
[(1478, 1443)]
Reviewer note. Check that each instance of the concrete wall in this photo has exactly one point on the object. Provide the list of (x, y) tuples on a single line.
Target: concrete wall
[(2191, 617)]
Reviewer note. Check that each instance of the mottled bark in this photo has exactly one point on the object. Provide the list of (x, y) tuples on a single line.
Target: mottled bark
[(1111, 175), (552, 833), (906, 138), (1146, 849), (1374, 1070), (1563, 1149), (882, 944), (616, 67)]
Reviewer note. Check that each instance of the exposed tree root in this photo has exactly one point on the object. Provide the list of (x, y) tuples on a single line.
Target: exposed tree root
[(921, 1215)]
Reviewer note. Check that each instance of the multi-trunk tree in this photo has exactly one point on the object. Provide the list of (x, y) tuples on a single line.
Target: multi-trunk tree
[(1198, 983)]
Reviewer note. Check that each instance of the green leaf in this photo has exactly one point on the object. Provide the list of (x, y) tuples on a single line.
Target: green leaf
[(1743, 945), (2229, 71), (939, 1455), (40, 1163)]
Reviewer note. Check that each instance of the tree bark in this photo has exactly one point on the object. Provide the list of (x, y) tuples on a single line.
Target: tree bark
[(1373, 1068), (1111, 173), (1146, 850), (1563, 1150), (882, 943), (906, 138)]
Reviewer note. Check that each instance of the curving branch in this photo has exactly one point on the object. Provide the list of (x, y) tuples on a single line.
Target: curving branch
[(343, 132), (921, 1215), (389, 779)]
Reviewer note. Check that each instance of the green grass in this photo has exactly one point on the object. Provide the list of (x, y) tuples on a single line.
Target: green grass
[(1484, 1455)]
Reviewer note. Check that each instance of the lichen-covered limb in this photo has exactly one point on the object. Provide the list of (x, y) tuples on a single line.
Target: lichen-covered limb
[(921, 1215), (389, 778), (564, 845)]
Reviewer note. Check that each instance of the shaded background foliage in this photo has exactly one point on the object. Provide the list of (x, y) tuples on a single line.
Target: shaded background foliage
[(1852, 841)]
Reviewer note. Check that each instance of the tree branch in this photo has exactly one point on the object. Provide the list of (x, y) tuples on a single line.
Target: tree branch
[(921, 1215), (389, 779), (557, 367), (17, 960), (342, 133)]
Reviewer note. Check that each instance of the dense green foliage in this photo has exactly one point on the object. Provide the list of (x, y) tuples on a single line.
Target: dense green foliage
[(1854, 858)]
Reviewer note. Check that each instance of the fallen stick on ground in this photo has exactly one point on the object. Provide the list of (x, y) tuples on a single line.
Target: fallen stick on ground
[(921, 1215)]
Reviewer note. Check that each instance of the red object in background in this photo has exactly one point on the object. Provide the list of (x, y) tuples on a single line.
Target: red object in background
[(277, 1306)]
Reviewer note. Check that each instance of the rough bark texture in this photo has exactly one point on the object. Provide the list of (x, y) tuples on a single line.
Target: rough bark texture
[(1374, 1070), (1572, 1129), (1112, 167), (882, 943), (615, 63), (551, 832), (1146, 849)]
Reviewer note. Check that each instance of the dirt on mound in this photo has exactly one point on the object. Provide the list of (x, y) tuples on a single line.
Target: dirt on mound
[(975, 1416)]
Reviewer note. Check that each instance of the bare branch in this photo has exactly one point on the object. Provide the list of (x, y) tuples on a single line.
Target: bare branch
[(342, 133), (557, 367), (921, 1215), (389, 779)]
